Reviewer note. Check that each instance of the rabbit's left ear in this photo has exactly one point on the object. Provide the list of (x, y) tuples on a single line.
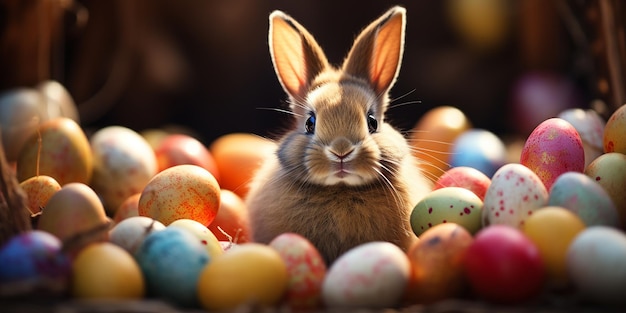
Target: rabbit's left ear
[(376, 54), (297, 57)]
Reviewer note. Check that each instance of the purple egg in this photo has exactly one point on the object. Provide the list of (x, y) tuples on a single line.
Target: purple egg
[(34, 261)]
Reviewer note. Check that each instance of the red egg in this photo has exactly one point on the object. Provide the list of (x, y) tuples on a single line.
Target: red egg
[(504, 266), (177, 149), (553, 148), (306, 270), (465, 177)]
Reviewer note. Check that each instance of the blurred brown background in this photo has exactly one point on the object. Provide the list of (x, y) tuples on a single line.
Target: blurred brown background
[(205, 65)]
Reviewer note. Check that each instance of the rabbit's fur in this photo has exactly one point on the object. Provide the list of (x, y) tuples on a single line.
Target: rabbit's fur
[(342, 176)]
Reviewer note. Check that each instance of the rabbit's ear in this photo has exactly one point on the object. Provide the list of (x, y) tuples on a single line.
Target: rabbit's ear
[(377, 52), (297, 57)]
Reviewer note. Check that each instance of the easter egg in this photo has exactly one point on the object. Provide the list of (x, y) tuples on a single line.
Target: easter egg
[(447, 205), (182, 191), (106, 271), (553, 148), (231, 222), (33, 262), (596, 263), (503, 266), (371, 275), (465, 177), (482, 24), (128, 208), (60, 149), (305, 268), (131, 232), (38, 190), (590, 127), (538, 95), (614, 130), (552, 229), (177, 149), (609, 171), (580, 194), (437, 264), (19, 115), (432, 137), (250, 273), (204, 235), (171, 261), (514, 194), (123, 164), (479, 149), (75, 215), (238, 156)]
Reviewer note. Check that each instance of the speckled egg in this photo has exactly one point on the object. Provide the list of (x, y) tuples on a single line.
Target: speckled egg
[(465, 177), (553, 148), (609, 171), (614, 139), (580, 194), (590, 127), (306, 270), (479, 149), (371, 275), (514, 194), (123, 164), (447, 205)]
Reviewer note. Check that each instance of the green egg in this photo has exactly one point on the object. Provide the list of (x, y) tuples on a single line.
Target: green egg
[(447, 205)]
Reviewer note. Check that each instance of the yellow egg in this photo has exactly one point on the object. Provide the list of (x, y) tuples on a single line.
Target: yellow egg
[(206, 237), (60, 149), (552, 229), (248, 273), (105, 270)]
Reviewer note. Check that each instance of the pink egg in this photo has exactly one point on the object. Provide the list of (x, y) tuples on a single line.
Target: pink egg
[(306, 270), (465, 177), (514, 194), (553, 148)]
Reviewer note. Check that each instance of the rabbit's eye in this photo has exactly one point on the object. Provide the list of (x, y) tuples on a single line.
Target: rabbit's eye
[(372, 123), (309, 125)]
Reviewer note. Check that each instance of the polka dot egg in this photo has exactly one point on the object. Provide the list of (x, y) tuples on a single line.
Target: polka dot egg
[(447, 205), (514, 194)]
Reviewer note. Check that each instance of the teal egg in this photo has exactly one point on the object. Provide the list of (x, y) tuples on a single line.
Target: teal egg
[(171, 260), (578, 193)]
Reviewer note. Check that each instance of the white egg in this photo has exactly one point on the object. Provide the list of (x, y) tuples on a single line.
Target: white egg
[(130, 232), (124, 162), (371, 275), (596, 263)]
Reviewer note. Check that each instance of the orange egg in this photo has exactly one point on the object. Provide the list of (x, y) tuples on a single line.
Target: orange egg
[(437, 264), (106, 271), (231, 218), (128, 208), (432, 137), (552, 229), (238, 156)]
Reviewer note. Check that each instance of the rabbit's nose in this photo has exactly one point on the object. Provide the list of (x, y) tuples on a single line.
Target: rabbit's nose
[(341, 148)]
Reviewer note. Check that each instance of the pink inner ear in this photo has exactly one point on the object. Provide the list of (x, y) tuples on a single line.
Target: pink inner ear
[(287, 51), (387, 54)]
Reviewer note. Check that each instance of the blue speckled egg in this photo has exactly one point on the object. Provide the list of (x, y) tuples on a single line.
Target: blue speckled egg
[(171, 261)]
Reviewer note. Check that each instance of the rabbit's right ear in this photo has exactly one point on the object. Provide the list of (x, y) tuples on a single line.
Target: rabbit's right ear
[(296, 56)]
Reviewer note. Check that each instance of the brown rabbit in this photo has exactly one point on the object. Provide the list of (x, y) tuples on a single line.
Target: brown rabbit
[(342, 176)]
